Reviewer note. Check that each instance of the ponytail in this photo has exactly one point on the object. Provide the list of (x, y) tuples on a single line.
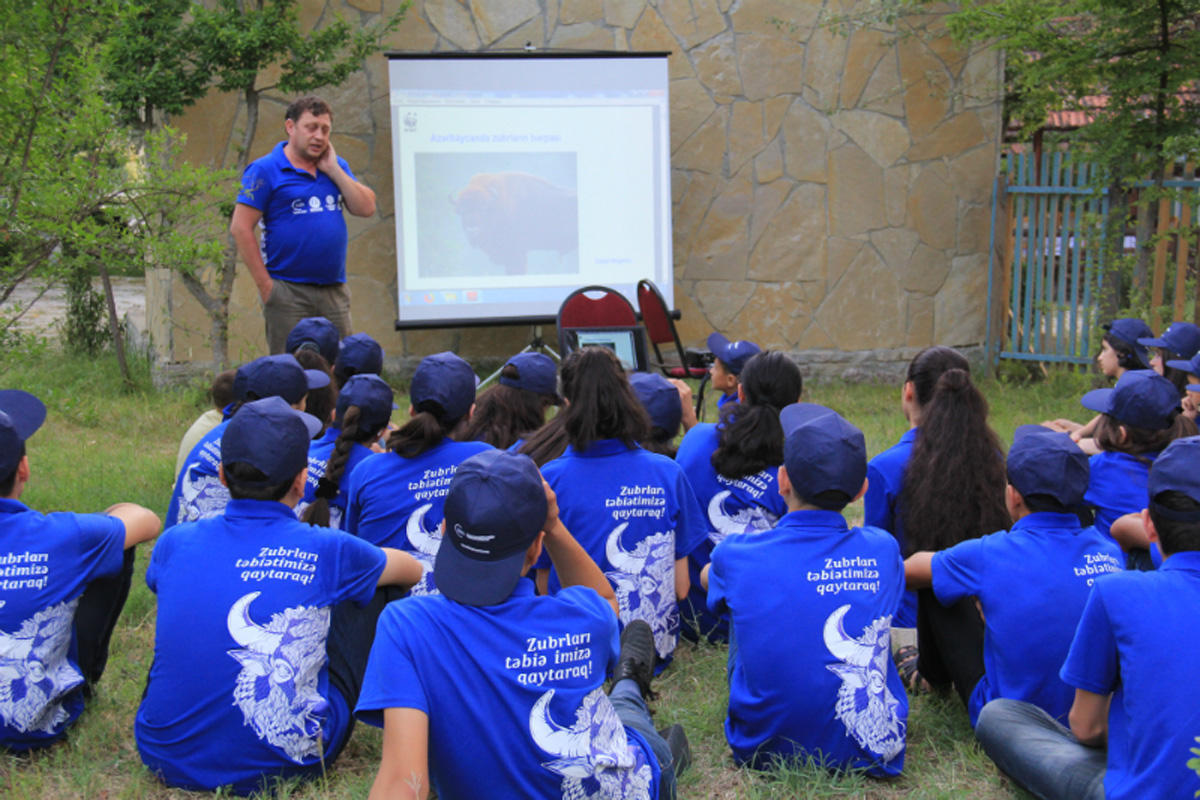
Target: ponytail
[(329, 485), (749, 435)]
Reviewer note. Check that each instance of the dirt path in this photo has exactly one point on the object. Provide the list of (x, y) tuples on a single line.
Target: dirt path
[(46, 314)]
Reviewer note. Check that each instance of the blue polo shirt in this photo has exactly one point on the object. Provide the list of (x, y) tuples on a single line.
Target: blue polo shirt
[(810, 664), (1136, 640), (304, 233), (394, 501), (1042, 570), (635, 514), (46, 562), (514, 693), (1117, 486), (199, 493), (881, 508), (239, 687), (749, 504), (319, 453)]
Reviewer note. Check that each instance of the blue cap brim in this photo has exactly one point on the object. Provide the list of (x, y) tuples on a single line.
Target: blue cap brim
[(1183, 365), (1153, 342), (25, 412), (1097, 400), (316, 378)]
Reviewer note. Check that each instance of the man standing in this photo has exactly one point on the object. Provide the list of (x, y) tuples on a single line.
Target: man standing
[(297, 191)]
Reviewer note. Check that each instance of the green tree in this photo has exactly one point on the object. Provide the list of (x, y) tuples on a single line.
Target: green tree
[(165, 56)]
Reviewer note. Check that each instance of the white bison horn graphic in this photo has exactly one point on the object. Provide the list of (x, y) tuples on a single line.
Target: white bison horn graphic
[(420, 538), (843, 646), (566, 743), (246, 632), (621, 559)]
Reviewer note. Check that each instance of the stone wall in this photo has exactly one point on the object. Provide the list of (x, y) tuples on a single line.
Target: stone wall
[(831, 192)]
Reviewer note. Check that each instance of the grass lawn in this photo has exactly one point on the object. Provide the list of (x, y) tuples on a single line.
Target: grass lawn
[(102, 444)]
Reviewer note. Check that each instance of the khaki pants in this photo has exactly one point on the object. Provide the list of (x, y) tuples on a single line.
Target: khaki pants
[(291, 302)]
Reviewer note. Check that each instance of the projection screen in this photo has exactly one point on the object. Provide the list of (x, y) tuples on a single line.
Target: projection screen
[(520, 177)]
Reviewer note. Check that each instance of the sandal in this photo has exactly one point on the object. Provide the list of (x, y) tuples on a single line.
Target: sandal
[(906, 664)]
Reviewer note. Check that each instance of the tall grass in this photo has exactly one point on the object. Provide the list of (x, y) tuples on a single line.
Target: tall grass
[(102, 443)]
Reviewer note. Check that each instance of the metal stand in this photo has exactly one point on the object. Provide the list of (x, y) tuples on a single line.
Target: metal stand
[(536, 344)]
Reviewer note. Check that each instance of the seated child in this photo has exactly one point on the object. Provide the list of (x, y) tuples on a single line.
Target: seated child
[(730, 358), (1135, 666), (317, 334), (516, 406), (1043, 570), (357, 354), (258, 657), (513, 703), (1191, 398), (199, 493), (666, 406), (221, 394), (1181, 340), (811, 604), (66, 578)]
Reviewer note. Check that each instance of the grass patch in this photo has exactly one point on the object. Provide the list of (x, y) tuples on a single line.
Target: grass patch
[(103, 443)]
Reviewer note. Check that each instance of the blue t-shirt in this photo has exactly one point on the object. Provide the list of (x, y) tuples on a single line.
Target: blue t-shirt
[(394, 501), (514, 693), (635, 514), (1117, 486), (318, 457), (199, 493), (1032, 583), (733, 505), (881, 508), (239, 687), (46, 562), (1136, 639), (304, 233), (810, 664)]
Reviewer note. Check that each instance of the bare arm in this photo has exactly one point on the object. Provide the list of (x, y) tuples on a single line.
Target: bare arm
[(141, 524), (572, 563), (404, 764), (1085, 431), (688, 405), (358, 198), (1130, 532), (242, 228), (401, 569), (918, 570), (1089, 717), (704, 576), (683, 582)]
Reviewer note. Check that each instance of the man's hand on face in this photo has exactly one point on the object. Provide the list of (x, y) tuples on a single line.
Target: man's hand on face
[(328, 160)]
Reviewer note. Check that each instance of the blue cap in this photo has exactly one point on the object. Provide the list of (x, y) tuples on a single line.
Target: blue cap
[(1142, 398), (822, 451), (270, 436), (314, 333), (1045, 462), (447, 380), (495, 507), (1129, 330), (660, 398), (733, 355), (21, 414), (1175, 470), (357, 354), (1181, 338), (276, 376), (536, 373), (1188, 365), (372, 395)]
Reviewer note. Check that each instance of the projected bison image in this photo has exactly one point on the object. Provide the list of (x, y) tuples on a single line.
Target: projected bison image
[(509, 214)]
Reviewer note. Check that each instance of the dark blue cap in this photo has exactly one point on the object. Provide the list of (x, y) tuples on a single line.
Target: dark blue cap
[(447, 380), (270, 436), (357, 354), (1142, 398), (660, 399), (21, 414), (822, 451), (372, 395), (1181, 338), (733, 355), (536, 373), (315, 333), (1188, 365), (1176, 469), (1045, 462), (495, 507), (276, 376), (1129, 330)]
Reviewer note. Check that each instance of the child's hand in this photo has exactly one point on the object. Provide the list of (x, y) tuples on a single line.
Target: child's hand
[(1189, 406), (551, 510), (685, 400)]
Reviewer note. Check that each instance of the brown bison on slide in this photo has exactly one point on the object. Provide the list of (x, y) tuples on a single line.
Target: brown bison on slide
[(507, 214)]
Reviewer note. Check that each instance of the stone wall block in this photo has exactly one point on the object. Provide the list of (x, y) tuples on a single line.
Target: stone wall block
[(925, 271), (932, 208), (895, 194), (842, 253), (772, 318), (494, 19), (575, 11), (213, 112), (623, 13), (768, 197), (813, 338), (422, 342), (726, 228), (956, 135), (690, 107), (584, 36), (369, 6), (866, 307), (451, 20), (693, 326), (309, 15), (652, 33), (792, 248), (855, 192), (926, 87), (532, 32), (692, 21), (806, 132), (704, 150), (722, 302), (866, 48), (824, 63), (774, 110), (792, 19), (981, 78), (895, 246), (960, 314), (414, 33), (745, 134), (488, 348), (884, 92), (920, 321), (883, 138), (716, 66), (351, 103), (689, 212), (970, 173), (974, 229), (769, 65), (373, 306), (768, 165)]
